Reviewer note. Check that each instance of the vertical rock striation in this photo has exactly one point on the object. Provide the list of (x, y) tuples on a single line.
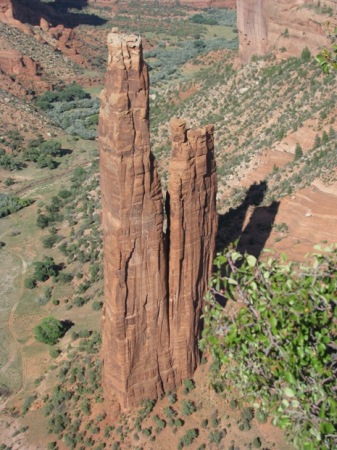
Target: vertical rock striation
[(192, 226), (252, 26), (135, 319), (285, 26), (153, 288)]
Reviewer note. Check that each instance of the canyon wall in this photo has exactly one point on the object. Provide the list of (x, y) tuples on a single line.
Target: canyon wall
[(148, 346), (285, 26)]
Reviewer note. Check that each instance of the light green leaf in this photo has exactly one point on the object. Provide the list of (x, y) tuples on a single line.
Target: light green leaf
[(289, 392), (251, 260)]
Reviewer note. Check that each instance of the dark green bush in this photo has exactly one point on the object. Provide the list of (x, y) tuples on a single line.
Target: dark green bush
[(49, 330)]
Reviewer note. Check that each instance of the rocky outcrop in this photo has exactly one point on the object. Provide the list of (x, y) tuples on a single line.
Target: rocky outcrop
[(149, 347), (285, 26), (22, 70), (45, 23), (192, 226)]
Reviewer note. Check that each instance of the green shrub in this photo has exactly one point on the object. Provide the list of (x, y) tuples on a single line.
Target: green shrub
[(189, 385), (215, 437), (28, 403), (97, 305), (188, 438), (30, 283), (54, 352), (45, 269), (188, 407), (298, 152), (49, 330)]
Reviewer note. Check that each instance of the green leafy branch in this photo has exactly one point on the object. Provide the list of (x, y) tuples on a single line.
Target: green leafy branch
[(327, 59), (278, 347)]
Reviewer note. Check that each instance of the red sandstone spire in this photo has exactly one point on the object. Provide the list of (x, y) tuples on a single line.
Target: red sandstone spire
[(192, 232), (149, 346), (136, 353)]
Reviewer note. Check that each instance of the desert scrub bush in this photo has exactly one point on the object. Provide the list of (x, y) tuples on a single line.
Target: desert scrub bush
[(169, 412), (188, 407), (256, 443), (188, 438), (172, 398), (189, 385), (288, 318), (28, 403)]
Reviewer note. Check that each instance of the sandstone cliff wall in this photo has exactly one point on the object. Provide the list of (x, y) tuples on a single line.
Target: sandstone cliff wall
[(149, 346), (290, 25)]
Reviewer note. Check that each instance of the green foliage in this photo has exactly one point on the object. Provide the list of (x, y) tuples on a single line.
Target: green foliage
[(9, 161), (96, 306), (51, 147), (189, 385), (188, 407), (169, 412), (172, 398), (257, 442), (298, 152), (215, 436), (10, 204), (279, 349), (199, 18), (9, 181), (306, 55), (42, 221), (67, 94), (188, 438), (45, 269), (30, 283), (327, 59), (54, 352), (49, 330), (317, 142), (28, 403)]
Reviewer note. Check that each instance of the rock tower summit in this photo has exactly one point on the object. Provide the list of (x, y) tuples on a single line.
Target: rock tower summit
[(154, 283)]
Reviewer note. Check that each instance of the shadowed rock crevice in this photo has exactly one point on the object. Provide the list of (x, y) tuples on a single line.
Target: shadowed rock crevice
[(153, 291)]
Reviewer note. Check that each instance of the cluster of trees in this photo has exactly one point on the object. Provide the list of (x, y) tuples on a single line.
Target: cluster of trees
[(9, 204), (62, 94), (204, 20), (43, 152), (43, 270), (72, 109)]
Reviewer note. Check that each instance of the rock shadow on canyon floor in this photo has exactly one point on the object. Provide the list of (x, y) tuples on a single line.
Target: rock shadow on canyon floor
[(253, 234), (57, 13)]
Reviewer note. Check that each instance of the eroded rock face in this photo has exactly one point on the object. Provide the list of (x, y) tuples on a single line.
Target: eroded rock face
[(281, 25), (192, 226), (23, 69), (149, 346), (137, 361)]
